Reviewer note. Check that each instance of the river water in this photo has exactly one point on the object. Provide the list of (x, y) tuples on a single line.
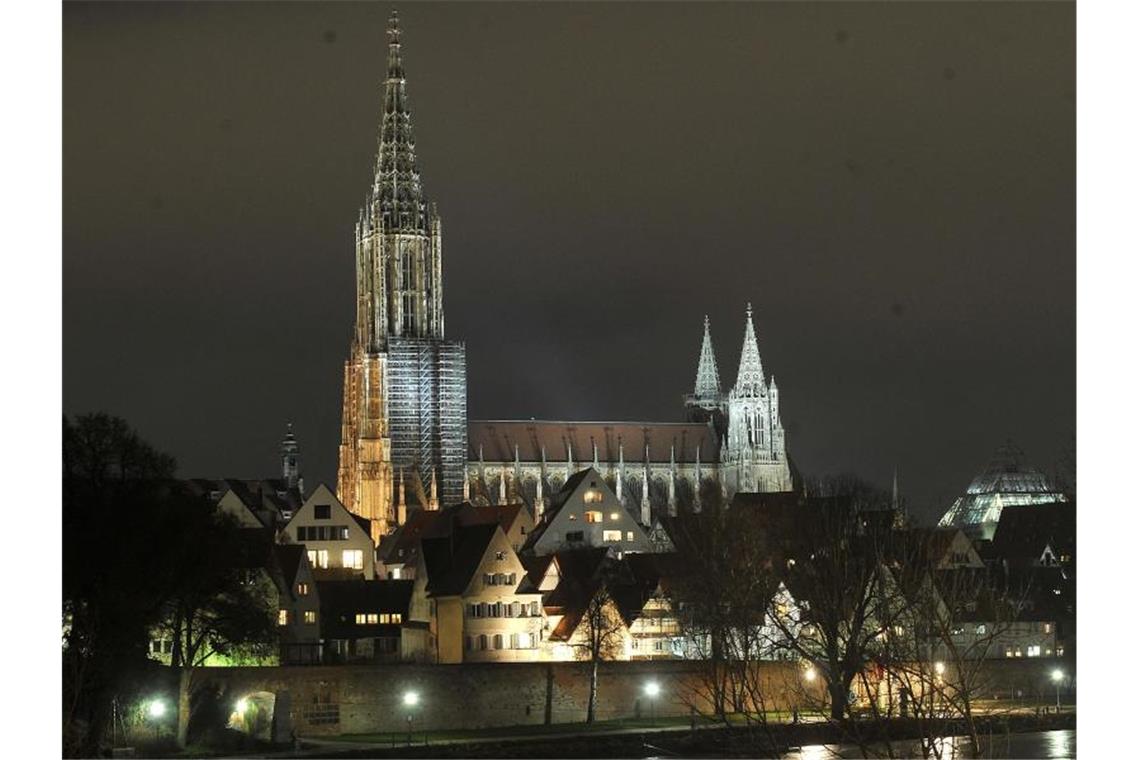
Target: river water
[(1043, 745)]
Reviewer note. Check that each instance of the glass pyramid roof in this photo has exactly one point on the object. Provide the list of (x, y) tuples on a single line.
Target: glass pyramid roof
[(1006, 482)]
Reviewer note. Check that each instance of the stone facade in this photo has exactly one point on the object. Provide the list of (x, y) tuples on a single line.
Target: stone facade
[(733, 442)]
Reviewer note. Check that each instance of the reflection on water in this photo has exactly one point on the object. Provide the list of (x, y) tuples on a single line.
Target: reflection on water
[(1047, 745)]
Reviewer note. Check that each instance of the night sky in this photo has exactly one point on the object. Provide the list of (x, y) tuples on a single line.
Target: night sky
[(891, 185)]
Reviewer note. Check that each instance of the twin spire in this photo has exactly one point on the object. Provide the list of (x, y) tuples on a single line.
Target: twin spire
[(750, 375), (708, 378)]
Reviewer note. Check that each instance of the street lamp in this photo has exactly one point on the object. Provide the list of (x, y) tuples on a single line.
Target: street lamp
[(411, 699), (156, 709), (1057, 676), (652, 689)]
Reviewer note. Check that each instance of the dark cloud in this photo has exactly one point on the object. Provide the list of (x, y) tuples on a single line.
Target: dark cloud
[(607, 174)]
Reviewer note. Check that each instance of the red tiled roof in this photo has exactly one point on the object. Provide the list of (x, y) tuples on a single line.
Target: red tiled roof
[(498, 439)]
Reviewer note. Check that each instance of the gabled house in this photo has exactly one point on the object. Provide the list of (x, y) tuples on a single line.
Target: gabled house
[(338, 543), (641, 586), (298, 607), (585, 513), (369, 621), (944, 549), (581, 579), (399, 551), (272, 500), (474, 594)]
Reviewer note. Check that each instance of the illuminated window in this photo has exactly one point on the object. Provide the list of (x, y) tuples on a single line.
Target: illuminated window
[(593, 496), (593, 517), (615, 516), (629, 535), (500, 555), (611, 535), (310, 616), (1048, 628), (394, 574), (302, 589), (385, 618), (373, 618), (397, 617), (523, 640), (319, 557), (282, 617), (572, 516), (981, 629), (353, 558), (1033, 651)]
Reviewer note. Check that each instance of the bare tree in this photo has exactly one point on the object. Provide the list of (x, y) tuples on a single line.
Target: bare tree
[(953, 622), (600, 636), (846, 603), (723, 602)]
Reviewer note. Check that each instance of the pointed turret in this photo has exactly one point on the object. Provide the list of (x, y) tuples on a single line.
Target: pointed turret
[(750, 375)]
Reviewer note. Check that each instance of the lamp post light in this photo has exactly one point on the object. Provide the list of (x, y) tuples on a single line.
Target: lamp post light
[(156, 709), (936, 687), (411, 699), (652, 689), (1058, 675)]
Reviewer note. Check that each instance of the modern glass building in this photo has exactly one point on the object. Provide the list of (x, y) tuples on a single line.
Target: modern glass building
[(1006, 482)]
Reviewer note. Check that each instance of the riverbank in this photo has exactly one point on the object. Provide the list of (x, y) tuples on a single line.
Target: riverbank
[(774, 740)]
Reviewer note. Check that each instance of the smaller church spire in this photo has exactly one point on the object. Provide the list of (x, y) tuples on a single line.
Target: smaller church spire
[(291, 458), (433, 498), (708, 377)]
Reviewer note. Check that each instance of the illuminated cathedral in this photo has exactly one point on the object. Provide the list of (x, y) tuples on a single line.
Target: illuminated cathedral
[(406, 442)]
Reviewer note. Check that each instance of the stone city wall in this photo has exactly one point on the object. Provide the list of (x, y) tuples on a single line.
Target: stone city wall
[(370, 699)]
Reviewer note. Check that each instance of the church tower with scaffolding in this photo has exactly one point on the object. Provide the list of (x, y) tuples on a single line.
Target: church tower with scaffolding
[(405, 386)]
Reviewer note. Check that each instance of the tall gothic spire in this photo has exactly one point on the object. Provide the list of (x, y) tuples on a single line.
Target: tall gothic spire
[(750, 376), (708, 378), (396, 187)]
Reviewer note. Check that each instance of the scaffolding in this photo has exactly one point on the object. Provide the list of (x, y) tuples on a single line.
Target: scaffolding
[(427, 411)]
